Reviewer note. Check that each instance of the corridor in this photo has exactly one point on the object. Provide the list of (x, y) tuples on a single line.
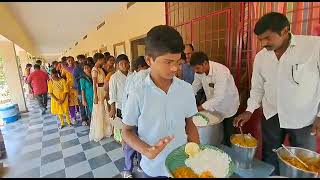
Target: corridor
[(158, 75), (37, 148)]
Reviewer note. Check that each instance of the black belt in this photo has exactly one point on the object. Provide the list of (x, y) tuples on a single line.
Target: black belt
[(100, 84)]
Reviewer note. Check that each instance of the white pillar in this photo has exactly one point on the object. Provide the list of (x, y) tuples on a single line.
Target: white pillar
[(24, 60), (7, 52)]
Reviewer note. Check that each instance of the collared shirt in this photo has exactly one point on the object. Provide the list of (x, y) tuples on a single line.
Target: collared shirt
[(288, 87), (187, 73), (116, 87), (38, 80), (220, 89), (136, 78), (157, 115)]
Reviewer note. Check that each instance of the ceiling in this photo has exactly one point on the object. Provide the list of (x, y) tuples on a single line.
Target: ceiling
[(3, 39), (56, 26)]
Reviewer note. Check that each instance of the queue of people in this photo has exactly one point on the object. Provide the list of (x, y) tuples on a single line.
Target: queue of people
[(157, 99)]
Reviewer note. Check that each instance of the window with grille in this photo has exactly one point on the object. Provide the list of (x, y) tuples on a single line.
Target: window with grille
[(206, 25)]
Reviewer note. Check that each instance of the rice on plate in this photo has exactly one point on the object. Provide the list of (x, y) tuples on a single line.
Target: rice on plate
[(210, 160)]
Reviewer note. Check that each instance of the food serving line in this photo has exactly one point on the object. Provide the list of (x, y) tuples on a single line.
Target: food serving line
[(242, 163), (212, 133), (258, 169)]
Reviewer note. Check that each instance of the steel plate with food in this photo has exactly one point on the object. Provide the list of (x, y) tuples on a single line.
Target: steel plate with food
[(199, 161)]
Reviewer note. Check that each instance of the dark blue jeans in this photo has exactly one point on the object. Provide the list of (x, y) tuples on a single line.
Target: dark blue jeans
[(129, 155)]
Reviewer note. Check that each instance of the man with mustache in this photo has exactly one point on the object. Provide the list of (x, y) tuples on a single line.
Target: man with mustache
[(286, 80)]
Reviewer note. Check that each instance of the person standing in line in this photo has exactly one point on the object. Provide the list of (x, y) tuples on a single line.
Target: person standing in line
[(109, 69), (286, 81), (27, 88), (67, 72), (53, 66), (58, 89), (38, 82), (116, 87), (162, 106), (140, 69), (77, 74), (100, 125), (86, 87), (42, 67)]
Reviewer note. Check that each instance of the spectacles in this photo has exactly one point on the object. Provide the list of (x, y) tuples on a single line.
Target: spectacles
[(292, 67)]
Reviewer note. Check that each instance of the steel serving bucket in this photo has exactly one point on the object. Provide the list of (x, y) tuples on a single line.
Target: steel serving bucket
[(245, 155), (290, 171), (211, 134)]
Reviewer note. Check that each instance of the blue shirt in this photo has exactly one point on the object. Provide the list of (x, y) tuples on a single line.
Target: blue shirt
[(134, 79), (77, 74), (157, 115), (187, 73)]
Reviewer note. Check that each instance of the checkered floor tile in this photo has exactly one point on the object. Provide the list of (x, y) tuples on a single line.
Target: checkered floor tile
[(37, 148)]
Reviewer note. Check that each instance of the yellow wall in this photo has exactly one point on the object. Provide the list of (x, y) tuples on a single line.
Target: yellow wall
[(12, 30), (11, 70), (123, 25)]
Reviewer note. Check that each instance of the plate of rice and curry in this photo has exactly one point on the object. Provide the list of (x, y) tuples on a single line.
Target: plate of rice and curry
[(199, 161)]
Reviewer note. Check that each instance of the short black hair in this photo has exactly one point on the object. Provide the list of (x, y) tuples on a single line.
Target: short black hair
[(163, 39), (36, 66), (70, 57), (272, 21), (64, 58), (54, 63), (190, 45), (106, 54), (29, 65), (88, 64), (183, 56), (139, 61), (122, 57), (90, 60), (198, 58), (108, 57), (97, 56), (81, 56), (54, 71), (39, 62)]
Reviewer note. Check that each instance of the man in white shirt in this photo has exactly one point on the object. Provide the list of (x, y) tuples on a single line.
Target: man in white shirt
[(286, 80), (219, 87), (116, 91), (116, 85)]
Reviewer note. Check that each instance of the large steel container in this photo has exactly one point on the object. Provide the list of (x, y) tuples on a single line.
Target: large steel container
[(290, 171), (212, 133)]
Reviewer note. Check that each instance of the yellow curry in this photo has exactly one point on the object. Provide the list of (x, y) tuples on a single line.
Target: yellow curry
[(186, 172), (243, 141), (314, 166)]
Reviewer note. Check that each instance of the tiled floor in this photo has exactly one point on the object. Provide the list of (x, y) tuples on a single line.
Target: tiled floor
[(37, 148)]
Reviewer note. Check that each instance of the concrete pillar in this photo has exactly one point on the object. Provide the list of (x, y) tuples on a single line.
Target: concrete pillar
[(8, 53), (24, 60)]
